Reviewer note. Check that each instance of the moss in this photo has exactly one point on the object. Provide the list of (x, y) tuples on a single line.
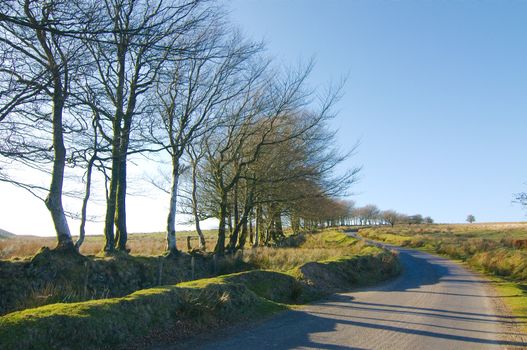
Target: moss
[(326, 277), (115, 322), (275, 286)]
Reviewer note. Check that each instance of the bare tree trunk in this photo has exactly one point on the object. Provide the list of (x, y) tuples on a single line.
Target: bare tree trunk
[(121, 233), (243, 235), (111, 203), (220, 245), (258, 225), (82, 230), (202, 242), (54, 198), (109, 221), (295, 223), (233, 239), (278, 229), (251, 231), (171, 220), (120, 214), (229, 222)]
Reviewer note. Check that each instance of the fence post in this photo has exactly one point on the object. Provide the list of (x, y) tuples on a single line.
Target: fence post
[(192, 267), (215, 264), (160, 272)]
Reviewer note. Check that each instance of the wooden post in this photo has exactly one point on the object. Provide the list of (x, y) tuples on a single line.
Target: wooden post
[(215, 264), (86, 276), (189, 247), (192, 267), (160, 272)]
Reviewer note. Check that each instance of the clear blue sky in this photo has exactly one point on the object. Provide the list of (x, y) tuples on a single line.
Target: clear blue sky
[(437, 94)]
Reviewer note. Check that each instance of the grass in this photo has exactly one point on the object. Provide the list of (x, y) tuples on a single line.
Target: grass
[(515, 297), (498, 250), (177, 311)]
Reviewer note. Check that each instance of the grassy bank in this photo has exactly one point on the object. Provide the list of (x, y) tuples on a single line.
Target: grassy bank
[(50, 277), (498, 250), (177, 311)]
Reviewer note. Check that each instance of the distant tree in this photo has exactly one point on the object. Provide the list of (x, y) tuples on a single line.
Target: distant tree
[(390, 216), (470, 218), (521, 198), (415, 219), (403, 219), (428, 220), (368, 215)]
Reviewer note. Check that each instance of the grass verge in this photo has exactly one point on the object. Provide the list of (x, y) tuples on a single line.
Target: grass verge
[(514, 295)]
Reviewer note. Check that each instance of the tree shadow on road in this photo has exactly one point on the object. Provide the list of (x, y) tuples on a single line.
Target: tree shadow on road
[(297, 329)]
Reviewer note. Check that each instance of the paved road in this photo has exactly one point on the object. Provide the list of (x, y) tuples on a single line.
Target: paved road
[(434, 304)]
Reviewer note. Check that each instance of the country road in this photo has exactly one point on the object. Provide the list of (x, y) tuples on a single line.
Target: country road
[(434, 304)]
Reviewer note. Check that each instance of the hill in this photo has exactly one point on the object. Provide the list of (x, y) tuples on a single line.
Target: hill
[(5, 234)]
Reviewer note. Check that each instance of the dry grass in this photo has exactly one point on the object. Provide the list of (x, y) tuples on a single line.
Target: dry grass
[(316, 247), (143, 244)]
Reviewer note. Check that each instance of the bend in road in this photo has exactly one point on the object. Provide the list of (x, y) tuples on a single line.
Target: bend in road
[(434, 304)]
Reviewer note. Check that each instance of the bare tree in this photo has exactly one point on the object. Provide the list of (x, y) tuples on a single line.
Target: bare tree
[(130, 50), (370, 214), (192, 94), (390, 216), (39, 63)]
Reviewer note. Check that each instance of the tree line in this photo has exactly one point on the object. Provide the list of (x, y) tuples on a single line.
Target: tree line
[(89, 87), (346, 213)]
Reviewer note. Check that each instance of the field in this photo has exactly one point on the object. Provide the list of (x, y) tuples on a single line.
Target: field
[(145, 244), (496, 249)]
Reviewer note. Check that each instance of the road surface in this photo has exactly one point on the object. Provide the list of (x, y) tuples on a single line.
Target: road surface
[(434, 304)]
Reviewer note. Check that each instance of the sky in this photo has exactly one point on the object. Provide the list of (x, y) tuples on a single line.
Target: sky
[(436, 94)]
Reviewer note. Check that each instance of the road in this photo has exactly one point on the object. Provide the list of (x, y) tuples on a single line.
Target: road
[(434, 304)]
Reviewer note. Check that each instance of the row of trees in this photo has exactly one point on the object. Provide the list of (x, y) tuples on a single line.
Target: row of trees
[(88, 87), (346, 213)]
